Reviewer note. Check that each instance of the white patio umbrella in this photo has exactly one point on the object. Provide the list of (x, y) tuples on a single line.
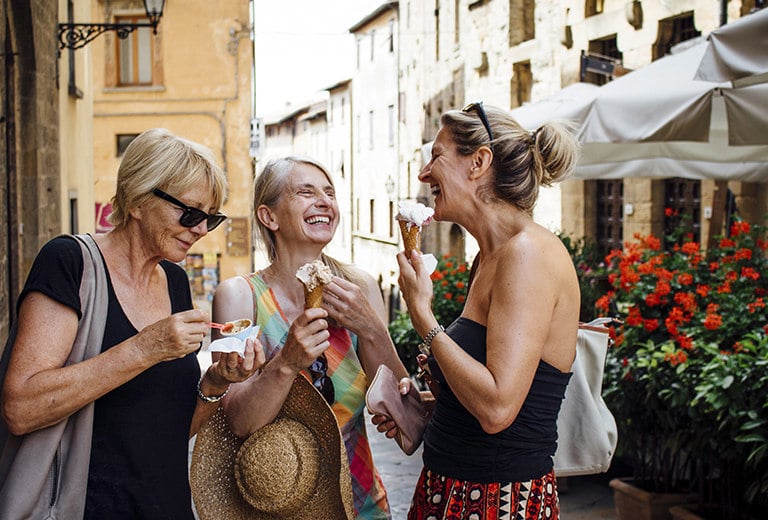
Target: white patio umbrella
[(658, 121), (737, 50), (571, 103)]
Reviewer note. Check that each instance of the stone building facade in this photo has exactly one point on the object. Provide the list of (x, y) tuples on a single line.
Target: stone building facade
[(507, 53), (195, 78), (68, 114), (45, 137)]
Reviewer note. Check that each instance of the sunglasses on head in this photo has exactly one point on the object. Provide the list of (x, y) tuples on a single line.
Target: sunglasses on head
[(478, 107), (191, 217), (319, 372)]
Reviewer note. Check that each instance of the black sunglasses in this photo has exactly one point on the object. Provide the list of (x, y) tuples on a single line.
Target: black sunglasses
[(192, 216), (319, 372), (478, 107)]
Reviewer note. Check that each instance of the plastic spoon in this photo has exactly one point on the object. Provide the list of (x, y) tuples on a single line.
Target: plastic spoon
[(224, 327)]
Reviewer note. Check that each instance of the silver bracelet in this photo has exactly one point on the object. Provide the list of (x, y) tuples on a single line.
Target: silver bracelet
[(426, 345), (211, 399)]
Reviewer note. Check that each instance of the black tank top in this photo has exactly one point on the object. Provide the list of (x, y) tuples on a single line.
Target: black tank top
[(455, 444), (139, 454)]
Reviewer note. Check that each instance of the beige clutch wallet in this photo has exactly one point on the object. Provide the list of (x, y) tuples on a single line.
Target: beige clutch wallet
[(410, 415)]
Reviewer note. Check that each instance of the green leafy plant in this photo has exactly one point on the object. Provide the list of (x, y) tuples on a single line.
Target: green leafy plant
[(686, 376), (590, 268), (449, 280)]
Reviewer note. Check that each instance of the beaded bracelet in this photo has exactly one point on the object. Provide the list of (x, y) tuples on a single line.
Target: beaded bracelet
[(426, 345), (211, 399)]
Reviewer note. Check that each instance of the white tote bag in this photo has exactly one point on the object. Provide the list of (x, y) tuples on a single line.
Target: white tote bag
[(586, 429)]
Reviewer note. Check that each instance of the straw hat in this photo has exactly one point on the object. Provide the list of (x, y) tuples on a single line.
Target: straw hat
[(293, 468)]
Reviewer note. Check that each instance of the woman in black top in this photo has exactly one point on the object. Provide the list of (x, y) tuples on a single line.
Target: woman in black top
[(504, 364), (149, 397)]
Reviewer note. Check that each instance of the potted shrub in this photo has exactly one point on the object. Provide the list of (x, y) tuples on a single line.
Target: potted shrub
[(685, 378)]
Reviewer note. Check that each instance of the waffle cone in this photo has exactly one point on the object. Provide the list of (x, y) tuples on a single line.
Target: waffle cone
[(313, 298), (411, 237)]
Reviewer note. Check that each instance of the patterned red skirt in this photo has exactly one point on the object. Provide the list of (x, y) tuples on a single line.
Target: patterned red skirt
[(443, 498)]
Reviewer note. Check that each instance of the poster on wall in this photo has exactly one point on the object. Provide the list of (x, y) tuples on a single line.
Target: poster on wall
[(103, 210)]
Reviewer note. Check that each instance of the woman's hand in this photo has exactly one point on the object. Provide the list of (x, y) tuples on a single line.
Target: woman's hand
[(231, 368), (307, 339), (417, 291), (349, 306), (173, 337), (385, 424), (426, 375)]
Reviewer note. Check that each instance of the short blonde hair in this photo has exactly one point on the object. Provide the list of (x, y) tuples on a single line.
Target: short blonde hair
[(159, 159), (522, 160)]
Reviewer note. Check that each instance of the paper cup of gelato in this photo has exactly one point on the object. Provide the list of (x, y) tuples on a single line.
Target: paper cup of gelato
[(240, 329)]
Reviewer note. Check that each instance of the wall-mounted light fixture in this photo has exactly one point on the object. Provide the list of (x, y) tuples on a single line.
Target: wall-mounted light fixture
[(77, 35)]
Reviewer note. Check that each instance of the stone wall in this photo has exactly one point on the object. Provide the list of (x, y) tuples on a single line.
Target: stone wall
[(29, 133)]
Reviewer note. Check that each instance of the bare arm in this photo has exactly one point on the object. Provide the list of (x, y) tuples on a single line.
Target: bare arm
[(40, 391), (227, 369), (256, 401), (362, 311)]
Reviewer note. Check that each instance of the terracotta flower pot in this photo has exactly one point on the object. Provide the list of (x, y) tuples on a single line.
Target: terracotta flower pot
[(633, 503)]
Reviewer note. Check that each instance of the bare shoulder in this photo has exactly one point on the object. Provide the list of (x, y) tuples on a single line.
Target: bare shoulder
[(232, 287), (536, 257), (531, 247), (233, 299)]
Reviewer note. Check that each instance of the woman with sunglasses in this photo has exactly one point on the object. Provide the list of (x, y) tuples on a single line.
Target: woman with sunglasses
[(334, 346), (148, 394), (502, 367)]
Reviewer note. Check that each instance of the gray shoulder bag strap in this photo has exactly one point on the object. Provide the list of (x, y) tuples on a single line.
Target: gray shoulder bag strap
[(44, 474)]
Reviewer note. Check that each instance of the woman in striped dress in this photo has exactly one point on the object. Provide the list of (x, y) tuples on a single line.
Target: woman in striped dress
[(335, 346)]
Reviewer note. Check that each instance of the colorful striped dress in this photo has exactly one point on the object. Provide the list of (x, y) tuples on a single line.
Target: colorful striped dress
[(349, 383)]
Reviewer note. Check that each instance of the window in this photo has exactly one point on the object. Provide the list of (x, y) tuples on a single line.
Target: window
[(373, 35), (682, 197), (122, 142), (370, 129), (437, 30), (592, 7), (359, 129), (371, 214), (610, 215), (391, 36), (391, 123), (599, 63), (357, 51), (408, 15), (135, 54), (672, 31), (73, 223), (456, 20), (522, 81), (522, 24)]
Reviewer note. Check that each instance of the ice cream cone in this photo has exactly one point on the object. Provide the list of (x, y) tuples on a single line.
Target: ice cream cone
[(313, 298), (411, 237)]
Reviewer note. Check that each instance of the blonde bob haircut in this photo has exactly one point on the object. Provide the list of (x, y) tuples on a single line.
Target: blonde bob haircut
[(268, 189), (159, 159)]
